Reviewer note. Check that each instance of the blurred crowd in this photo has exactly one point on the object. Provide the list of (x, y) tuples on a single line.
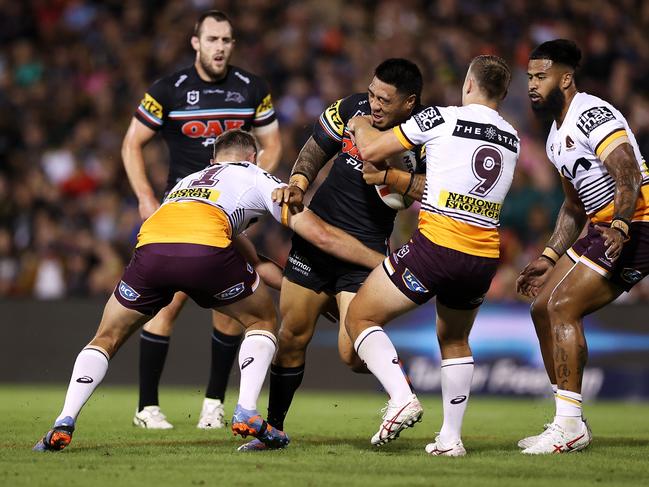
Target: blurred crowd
[(72, 72)]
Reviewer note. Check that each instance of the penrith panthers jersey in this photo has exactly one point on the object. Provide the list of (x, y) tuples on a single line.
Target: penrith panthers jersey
[(590, 130), (344, 199), (191, 113), (471, 153), (211, 206)]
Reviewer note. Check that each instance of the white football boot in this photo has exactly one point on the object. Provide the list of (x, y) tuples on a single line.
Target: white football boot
[(437, 448), (530, 440), (398, 417), (151, 418), (556, 439), (211, 415)]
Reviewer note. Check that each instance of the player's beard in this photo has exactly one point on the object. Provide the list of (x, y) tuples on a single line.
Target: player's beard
[(206, 64), (552, 106)]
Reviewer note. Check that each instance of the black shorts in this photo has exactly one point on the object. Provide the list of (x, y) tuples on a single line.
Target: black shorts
[(311, 268), (632, 265), (422, 269), (211, 276)]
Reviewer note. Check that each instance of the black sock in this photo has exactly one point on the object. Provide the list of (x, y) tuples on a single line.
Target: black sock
[(224, 351), (284, 381), (153, 353)]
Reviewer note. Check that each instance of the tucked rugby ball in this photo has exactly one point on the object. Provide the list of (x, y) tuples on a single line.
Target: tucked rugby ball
[(406, 161)]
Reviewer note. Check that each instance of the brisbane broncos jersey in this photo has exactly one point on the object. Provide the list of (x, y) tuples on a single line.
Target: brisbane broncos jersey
[(344, 199), (590, 131), (211, 206), (191, 113), (471, 153)]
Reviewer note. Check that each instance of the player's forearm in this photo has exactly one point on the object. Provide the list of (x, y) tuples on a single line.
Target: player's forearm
[(406, 183), (366, 137), (570, 222), (340, 244), (310, 161), (136, 172)]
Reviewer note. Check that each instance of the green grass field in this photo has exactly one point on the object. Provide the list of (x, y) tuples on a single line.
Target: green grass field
[(330, 445)]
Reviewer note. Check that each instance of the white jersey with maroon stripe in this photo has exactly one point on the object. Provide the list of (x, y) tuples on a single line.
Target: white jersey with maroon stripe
[(471, 153), (591, 128)]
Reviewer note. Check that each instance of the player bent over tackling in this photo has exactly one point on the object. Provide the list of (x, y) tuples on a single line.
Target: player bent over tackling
[(186, 245), (471, 152)]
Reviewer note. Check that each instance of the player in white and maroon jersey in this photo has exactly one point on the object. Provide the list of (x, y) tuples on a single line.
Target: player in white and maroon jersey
[(187, 245), (471, 153), (606, 184)]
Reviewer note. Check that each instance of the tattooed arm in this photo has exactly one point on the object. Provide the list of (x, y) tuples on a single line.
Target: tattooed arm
[(621, 164), (571, 220), (310, 161)]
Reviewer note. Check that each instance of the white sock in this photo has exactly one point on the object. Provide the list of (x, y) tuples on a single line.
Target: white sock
[(256, 352), (88, 372), (377, 351), (555, 388), (457, 374), (568, 409)]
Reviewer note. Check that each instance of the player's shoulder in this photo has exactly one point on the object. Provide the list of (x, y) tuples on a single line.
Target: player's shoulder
[(177, 78), (245, 77), (590, 112)]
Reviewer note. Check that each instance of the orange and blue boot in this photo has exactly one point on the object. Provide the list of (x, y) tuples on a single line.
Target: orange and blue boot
[(246, 422), (58, 437)]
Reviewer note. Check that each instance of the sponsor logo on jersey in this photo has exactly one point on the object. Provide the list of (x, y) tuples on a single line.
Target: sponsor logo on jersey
[(231, 292), (298, 265), (457, 201), (194, 193), (265, 105), (152, 106), (182, 78), (631, 275), (127, 292), (412, 282), (487, 133), (243, 78), (428, 119), (332, 116), (193, 97), (234, 96), (350, 149), (85, 380), (593, 118), (571, 173), (211, 91), (211, 128)]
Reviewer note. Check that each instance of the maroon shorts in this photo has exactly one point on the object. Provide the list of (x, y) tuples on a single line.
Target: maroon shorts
[(422, 269), (629, 268), (211, 276)]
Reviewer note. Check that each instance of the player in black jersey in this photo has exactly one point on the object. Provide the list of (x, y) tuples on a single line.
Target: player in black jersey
[(345, 201), (190, 108)]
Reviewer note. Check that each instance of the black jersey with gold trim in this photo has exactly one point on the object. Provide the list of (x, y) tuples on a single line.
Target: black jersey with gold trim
[(344, 199), (191, 113)]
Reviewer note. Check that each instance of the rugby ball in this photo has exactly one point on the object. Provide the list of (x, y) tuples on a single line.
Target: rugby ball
[(406, 161)]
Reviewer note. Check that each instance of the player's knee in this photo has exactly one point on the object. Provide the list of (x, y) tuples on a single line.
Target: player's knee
[(291, 340), (539, 312), (562, 308)]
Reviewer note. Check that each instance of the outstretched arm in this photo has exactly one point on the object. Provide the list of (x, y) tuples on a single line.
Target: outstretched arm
[(332, 240)]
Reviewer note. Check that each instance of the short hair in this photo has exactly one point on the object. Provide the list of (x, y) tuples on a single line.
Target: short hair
[(235, 139), (492, 75), (559, 51), (404, 75), (214, 14)]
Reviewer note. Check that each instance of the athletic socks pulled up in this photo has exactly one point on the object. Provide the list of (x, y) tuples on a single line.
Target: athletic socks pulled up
[(377, 351), (284, 381), (457, 374), (88, 372), (255, 354), (224, 352), (568, 410), (153, 353)]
